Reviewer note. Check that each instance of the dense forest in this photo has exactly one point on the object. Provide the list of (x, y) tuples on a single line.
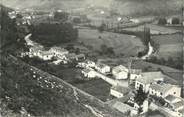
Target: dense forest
[(49, 34), (11, 35)]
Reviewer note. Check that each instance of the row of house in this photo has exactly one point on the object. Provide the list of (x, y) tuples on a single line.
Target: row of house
[(153, 83), (89, 66), (150, 82), (60, 54), (119, 72)]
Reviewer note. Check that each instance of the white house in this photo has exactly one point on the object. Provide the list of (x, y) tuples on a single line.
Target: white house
[(89, 73), (45, 55), (175, 103), (57, 51), (135, 20), (73, 56), (35, 51), (86, 64), (102, 68), (135, 73), (118, 91), (148, 78), (169, 21), (120, 72), (163, 90)]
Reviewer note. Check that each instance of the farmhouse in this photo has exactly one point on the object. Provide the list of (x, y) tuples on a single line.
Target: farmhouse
[(45, 55), (120, 72), (102, 68), (147, 79), (163, 90), (73, 56), (134, 74), (35, 51), (57, 51), (89, 73), (118, 91)]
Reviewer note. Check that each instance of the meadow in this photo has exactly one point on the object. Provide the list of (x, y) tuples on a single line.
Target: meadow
[(121, 43)]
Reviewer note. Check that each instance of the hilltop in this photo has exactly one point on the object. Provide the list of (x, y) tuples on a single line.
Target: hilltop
[(147, 7)]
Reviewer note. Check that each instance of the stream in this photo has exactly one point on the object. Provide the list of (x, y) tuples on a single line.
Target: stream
[(150, 51)]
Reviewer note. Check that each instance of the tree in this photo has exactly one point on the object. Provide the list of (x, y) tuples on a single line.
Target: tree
[(162, 21), (175, 20), (102, 27), (52, 34), (19, 16), (77, 20), (110, 51), (62, 16), (140, 96), (170, 61)]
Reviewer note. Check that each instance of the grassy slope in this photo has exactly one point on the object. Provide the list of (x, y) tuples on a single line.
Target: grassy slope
[(37, 96), (173, 43), (125, 7), (121, 43)]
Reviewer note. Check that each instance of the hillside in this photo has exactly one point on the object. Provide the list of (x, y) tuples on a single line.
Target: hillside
[(147, 7), (44, 95), (124, 7)]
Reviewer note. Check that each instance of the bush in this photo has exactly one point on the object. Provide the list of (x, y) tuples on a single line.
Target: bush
[(162, 21), (63, 16), (102, 27), (175, 21)]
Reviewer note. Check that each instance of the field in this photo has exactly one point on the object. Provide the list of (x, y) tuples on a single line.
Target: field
[(170, 45), (154, 29), (121, 43)]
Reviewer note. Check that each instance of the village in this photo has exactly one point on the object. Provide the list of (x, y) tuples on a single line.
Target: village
[(125, 82), (130, 64)]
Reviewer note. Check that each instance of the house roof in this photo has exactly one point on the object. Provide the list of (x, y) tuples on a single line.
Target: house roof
[(58, 49), (149, 77), (162, 87), (178, 104), (45, 53), (87, 70), (71, 55), (120, 89), (80, 55), (101, 65), (181, 111), (37, 48), (120, 68), (135, 71), (89, 62), (170, 98)]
